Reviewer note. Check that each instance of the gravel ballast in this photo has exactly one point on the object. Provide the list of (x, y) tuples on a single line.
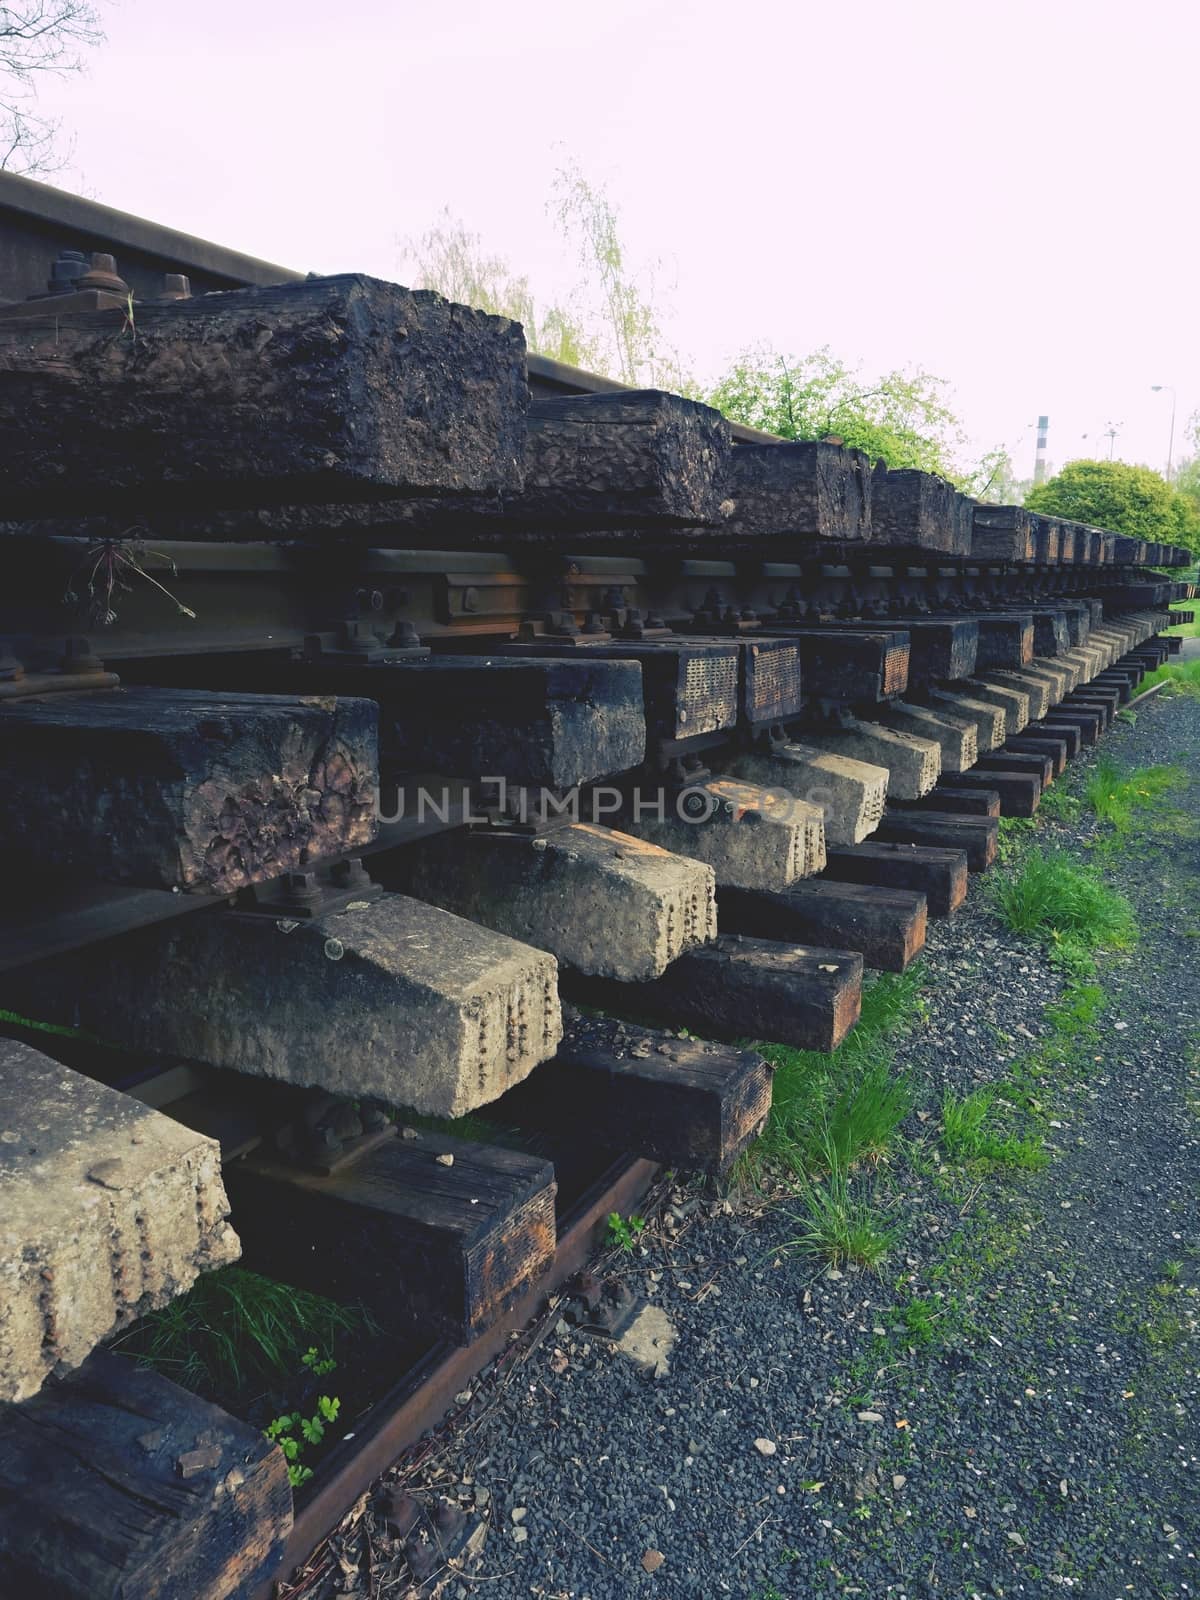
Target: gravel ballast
[(804, 1441)]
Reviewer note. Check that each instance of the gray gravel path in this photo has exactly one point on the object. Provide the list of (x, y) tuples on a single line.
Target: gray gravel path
[(1044, 1443)]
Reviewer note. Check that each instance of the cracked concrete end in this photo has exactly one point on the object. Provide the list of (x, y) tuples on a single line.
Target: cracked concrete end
[(108, 1210), (1013, 702), (1035, 688), (988, 720), (396, 1000), (752, 838), (604, 902), (850, 794), (955, 736), (913, 764), (648, 1341)]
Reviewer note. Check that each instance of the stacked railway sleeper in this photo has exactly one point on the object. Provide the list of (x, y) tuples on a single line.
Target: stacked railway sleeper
[(398, 730)]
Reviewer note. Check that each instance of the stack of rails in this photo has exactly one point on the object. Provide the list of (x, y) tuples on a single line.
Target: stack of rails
[(687, 723)]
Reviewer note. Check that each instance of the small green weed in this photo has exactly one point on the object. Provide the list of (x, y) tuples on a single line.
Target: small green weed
[(1065, 906), (1077, 1009), (969, 1136), (916, 1321), (1059, 805), (1013, 837), (837, 1224), (293, 1433), (623, 1233)]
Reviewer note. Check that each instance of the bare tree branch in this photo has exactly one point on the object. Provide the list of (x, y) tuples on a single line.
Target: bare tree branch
[(37, 37)]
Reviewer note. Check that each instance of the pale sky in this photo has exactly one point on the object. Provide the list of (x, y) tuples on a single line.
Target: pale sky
[(1002, 193)]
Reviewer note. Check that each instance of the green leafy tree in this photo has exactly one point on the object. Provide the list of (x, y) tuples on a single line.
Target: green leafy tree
[(1112, 494), (626, 314), (611, 322), (452, 260), (904, 418), (1186, 484)]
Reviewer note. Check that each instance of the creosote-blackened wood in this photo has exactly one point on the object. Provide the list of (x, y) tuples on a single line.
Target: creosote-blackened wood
[(736, 987), (942, 647), (329, 389), (769, 676), (939, 874), (1003, 533), (853, 665), (917, 509), (797, 492), (177, 788), (1041, 745), (1065, 733), (1020, 792), (541, 722), (688, 1103), (1105, 702), (115, 1484), (967, 802), (689, 688), (1039, 765), (1005, 640), (1122, 682), (1089, 720), (978, 836), (437, 1247), (886, 925), (630, 457)]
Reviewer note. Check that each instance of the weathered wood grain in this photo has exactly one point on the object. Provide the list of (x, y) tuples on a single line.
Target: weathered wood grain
[(886, 925), (170, 788), (329, 389), (118, 1485), (429, 1245)]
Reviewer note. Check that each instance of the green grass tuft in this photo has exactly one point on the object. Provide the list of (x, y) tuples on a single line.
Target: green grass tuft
[(851, 1094), (235, 1329), (969, 1134), (1115, 795), (1068, 907), (839, 1224), (1181, 678)]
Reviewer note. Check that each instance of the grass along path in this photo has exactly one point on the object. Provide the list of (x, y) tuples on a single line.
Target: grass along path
[(1006, 1404)]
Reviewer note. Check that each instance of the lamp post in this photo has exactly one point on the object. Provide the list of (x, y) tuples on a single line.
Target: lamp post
[(1157, 388)]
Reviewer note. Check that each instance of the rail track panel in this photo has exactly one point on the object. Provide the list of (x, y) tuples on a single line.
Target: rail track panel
[(541, 578)]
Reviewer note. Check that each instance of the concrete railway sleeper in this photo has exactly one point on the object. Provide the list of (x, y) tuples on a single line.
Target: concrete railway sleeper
[(611, 736)]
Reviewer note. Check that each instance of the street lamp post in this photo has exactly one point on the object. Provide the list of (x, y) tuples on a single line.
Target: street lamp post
[(1157, 388)]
